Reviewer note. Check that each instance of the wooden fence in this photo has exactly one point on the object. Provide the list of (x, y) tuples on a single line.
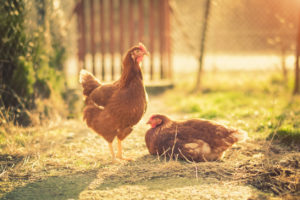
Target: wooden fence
[(107, 28)]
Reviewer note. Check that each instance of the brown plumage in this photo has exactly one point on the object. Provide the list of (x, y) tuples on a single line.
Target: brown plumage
[(112, 109), (195, 139)]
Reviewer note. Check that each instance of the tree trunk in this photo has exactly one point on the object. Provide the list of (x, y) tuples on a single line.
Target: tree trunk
[(202, 47), (297, 71)]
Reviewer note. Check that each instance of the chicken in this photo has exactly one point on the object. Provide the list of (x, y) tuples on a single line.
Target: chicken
[(194, 140), (113, 109)]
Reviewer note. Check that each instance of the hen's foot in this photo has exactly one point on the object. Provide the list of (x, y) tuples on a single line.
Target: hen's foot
[(115, 161), (122, 158), (119, 154)]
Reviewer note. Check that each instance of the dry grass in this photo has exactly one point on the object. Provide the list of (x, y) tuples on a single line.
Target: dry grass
[(50, 162), (66, 160)]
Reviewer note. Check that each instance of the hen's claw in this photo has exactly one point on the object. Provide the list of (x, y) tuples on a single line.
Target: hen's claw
[(122, 158), (115, 161)]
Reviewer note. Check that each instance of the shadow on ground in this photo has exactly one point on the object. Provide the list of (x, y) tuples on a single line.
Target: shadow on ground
[(150, 177), (247, 168), (63, 187)]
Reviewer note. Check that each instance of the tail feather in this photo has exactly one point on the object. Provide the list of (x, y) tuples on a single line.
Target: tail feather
[(241, 135), (88, 81)]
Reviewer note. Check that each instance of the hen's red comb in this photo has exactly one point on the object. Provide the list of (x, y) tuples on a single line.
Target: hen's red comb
[(142, 47), (151, 117)]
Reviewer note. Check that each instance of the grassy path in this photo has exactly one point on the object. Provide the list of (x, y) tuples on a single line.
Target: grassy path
[(69, 161)]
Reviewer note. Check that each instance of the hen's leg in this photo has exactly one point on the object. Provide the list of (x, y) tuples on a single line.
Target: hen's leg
[(119, 155), (112, 153)]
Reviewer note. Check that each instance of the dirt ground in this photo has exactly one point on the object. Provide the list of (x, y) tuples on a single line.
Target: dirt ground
[(71, 162)]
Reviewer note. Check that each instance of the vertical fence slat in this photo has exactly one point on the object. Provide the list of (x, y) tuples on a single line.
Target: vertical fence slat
[(112, 38), (151, 34), (83, 34), (161, 36), (141, 21), (102, 40), (81, 41), (131, 22), (92, 34), (121, 15), (77, 10), (168, 39), (159, 20)]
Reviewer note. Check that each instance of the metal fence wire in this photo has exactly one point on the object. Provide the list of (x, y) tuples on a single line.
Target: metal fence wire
[(242, 34)]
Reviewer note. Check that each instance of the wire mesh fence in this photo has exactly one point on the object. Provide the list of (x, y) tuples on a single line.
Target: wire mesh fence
[(243, 34)]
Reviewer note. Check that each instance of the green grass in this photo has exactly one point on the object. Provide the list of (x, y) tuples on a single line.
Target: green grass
[(66, 160), (287, 134), (252, 101)]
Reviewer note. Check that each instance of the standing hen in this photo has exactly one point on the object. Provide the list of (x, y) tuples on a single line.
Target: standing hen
[(113, 109), (196, 139)]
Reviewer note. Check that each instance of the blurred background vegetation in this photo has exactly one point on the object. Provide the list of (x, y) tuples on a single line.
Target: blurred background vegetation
[(39, 63), (247, 80), (33, 50)]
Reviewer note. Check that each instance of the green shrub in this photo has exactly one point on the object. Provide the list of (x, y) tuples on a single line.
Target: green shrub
[(31, 65)]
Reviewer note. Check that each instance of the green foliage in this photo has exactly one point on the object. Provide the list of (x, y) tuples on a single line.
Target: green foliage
[(23, 78), (12, 43), (31, 65), (16, 91), (258, 103), (287, 134), (288, 128)]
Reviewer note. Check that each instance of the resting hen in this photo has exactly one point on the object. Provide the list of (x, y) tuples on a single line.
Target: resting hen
[(194, 140), (113, 109)]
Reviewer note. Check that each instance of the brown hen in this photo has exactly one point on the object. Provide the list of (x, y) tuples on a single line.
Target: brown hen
[(113, 109), (194, 140)]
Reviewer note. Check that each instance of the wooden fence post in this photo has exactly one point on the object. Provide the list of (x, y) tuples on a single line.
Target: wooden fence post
[(81, 31), (112, 38), (297, 63), (202, 47), (121, 16), (131, 22), (151, 35), (168, 40), (102, 40), (141, 21), (161, 37), (92, 35)]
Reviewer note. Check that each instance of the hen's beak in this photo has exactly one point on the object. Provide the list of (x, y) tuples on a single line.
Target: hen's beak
[(148, 122), (146, 53)]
